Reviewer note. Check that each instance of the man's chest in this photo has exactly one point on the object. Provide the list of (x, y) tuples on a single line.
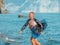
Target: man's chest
[(32, 22)]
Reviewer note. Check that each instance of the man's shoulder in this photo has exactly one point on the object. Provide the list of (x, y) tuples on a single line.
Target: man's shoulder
[(35, 19), (28, 20)]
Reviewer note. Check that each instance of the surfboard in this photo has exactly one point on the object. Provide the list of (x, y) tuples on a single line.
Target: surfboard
[(44, 23)]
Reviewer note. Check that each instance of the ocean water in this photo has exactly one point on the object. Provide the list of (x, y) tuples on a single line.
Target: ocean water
[(10, 25)]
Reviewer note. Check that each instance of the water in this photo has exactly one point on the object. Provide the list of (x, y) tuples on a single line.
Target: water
[(10, 25)]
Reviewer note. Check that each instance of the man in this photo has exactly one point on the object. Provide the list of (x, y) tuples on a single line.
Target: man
[(35, 29)]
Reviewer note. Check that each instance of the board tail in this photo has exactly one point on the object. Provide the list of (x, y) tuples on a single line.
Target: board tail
[(44, 23)]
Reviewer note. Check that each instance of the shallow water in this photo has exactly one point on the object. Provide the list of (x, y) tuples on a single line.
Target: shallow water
[(10, 25)]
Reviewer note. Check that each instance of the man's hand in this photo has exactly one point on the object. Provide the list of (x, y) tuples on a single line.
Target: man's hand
[(20, 31), (40, 32)]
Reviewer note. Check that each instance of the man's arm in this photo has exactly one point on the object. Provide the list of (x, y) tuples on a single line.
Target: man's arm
[(41, 26), (24, 26)]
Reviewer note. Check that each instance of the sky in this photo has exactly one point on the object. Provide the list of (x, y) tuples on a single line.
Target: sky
[(37, 6)]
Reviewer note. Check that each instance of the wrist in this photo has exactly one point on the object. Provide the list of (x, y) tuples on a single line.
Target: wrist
[(21, 30)]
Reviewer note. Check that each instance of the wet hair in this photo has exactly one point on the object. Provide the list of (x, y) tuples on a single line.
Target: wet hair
[(31, 15), (31, 12)]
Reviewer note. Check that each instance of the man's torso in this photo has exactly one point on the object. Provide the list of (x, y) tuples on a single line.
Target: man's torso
[(32, 23)]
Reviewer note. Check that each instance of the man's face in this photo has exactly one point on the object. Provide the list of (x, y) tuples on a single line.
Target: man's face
[(31, 15)]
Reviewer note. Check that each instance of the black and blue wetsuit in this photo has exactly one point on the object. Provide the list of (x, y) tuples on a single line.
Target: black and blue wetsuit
[(36, 29)]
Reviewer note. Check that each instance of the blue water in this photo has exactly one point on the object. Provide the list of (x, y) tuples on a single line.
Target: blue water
[(10, 25)]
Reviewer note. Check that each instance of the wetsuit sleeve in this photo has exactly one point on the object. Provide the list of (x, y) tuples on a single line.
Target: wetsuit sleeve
[(41, 26), (25, 25)]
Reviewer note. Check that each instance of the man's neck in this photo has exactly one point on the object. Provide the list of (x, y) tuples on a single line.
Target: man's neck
[(32, 19)]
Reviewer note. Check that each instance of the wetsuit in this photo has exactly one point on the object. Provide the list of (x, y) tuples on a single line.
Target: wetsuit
[(35, 31)]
